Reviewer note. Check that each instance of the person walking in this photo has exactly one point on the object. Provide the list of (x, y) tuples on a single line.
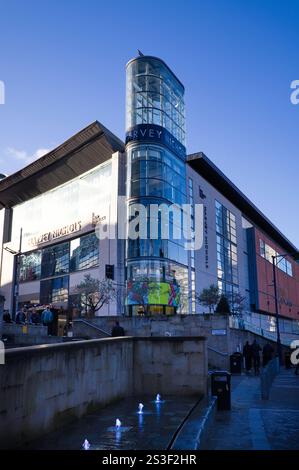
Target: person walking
[(47, 318), (247, 354), (34, 317), (255, 347), (21, 317), (267, 354), (117, 330)]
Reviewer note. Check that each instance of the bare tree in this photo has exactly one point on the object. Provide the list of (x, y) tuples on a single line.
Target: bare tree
[(95, 294), (238, 304), (209, 297)]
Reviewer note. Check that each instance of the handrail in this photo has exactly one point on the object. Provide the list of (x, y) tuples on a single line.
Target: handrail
[(218, 352), (91, 325)]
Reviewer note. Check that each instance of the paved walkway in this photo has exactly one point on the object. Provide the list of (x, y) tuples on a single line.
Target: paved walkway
[(256, 424)]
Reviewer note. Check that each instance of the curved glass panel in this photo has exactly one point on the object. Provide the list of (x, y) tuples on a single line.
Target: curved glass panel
[(154, 96)]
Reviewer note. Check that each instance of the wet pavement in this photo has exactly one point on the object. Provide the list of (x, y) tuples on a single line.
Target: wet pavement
[(256, 424), (151, 430)]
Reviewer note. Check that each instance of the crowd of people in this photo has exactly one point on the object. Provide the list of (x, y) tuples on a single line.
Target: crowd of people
[(32, 316), (252, 355)]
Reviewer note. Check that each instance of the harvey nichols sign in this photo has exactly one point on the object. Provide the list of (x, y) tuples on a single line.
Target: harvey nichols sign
[(156, 134), (55, 234)]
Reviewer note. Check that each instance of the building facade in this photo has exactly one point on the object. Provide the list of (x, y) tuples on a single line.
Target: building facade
[(51, 209), (157, 268)]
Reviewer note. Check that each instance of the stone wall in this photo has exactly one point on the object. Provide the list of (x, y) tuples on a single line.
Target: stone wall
[(44, 387), (172, 366), (27, 334), (177, 325)]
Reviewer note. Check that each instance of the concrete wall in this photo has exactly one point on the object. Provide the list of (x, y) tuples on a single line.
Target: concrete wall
[(23, 335), (175, 366), (44, 387), (177, 325)]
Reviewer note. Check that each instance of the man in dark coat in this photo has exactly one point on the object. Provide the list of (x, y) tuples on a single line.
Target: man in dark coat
[(247, 353), (117, 330), (255, 347)]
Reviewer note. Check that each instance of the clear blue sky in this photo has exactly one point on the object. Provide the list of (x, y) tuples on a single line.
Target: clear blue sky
[(63, 64)]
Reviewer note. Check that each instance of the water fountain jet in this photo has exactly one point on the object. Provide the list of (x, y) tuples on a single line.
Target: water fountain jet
[(86, 444), (158, 398), (140, 408), (117, 424)]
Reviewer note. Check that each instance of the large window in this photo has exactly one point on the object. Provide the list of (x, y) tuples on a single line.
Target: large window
[(55, 260), (30, 266), (156, 172), (84, 252), (266, 251), (154, 96), (54, 290), (227, 259), (62, 258)]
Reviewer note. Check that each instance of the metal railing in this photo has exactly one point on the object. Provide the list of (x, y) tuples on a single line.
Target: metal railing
[(91, 325), (218, 352)]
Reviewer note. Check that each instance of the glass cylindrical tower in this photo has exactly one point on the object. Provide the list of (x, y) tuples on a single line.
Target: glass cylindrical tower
[(157, 273)]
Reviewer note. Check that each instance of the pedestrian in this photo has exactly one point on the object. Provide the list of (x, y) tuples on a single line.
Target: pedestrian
[(117, 330), (255, 347), (21, 317), (267, 353), (47, 319), (7, 317), (247, 354), (34, 317)]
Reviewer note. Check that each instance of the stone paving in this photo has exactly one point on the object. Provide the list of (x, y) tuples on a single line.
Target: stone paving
[(256, 424)]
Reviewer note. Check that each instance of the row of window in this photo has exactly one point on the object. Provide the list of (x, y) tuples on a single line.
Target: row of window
[(227, 259), (54, 290), (157, 173), (160, 118), (225, 223), (157, 188), (143, 168), (192, 254), (266, 251), (158, 248), (75, 255), (156, 270), (152, 153), (155, 96)]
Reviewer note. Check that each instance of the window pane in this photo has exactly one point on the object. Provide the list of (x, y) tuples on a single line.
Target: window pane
[(55, 260), (30, 266), (84, 252)]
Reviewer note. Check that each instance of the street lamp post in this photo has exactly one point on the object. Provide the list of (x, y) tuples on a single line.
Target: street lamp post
[(17, 282), (274, 258), (276, 310)]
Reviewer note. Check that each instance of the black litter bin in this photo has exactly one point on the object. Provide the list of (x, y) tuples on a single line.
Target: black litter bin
[(220, 388), (287, 360), (236, 363)]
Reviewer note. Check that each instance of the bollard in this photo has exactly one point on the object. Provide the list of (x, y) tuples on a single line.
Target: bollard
[(2, 353), (267, 376), (264, 386)]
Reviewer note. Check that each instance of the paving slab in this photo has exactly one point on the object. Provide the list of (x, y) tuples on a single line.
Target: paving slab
[(256, 424)]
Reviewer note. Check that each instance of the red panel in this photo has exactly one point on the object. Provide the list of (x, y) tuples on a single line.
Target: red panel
[(287, 286)]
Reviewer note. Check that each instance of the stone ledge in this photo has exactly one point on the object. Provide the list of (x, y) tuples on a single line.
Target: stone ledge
[(194, 431), (74, 345)]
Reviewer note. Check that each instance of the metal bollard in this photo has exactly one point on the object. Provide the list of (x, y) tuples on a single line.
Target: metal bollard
[(2, 353), (264, 386)]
